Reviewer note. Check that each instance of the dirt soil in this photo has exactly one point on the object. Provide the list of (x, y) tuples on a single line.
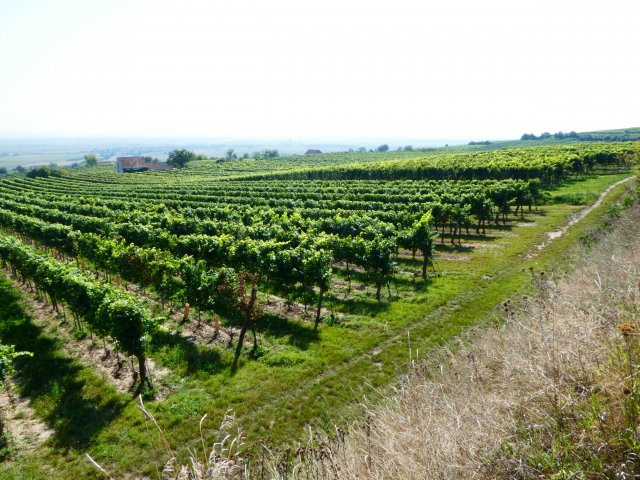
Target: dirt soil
[(116, 369), (578, 216), (452, 256), (278, 306), (26, 430)]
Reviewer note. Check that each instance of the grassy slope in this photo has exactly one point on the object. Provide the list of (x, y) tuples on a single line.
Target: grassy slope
[(551, 392), (314, 377)]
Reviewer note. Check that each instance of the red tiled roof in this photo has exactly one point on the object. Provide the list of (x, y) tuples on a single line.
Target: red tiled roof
[(140, 163), (132, 162)]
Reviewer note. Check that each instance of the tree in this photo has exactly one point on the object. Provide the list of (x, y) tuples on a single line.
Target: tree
[(45, 172), (20, 169), (180, 158), (3, 171), (90, 160), (230, 154), (383, 148)]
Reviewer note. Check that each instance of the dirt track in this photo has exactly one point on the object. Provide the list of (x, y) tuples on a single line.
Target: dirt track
[(578, 216)]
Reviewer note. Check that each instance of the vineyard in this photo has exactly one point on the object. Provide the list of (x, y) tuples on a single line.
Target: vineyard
[(284, 289)]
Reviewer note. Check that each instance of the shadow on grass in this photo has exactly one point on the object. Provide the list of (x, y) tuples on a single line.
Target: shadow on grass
[(300, 335), (70, 398), (417, 283), (184, 355), (569, 181), (361, 298), (178, 351), (361, 305), (452, 248)]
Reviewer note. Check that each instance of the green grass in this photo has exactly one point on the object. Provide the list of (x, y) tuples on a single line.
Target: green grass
[(69, 397), (303, 375), (574, 192)]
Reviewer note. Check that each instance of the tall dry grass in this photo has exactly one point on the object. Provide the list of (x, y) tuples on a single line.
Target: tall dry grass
[(554, 388), (497, 407)]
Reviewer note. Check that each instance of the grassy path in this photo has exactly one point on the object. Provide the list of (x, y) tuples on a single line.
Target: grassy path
[(580, 215)]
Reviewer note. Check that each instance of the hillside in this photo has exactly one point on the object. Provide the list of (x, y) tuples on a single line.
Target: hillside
[(303, 287), (549, 392)]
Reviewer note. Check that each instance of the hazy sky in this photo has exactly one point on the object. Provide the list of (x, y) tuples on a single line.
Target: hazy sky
[(324, 69)]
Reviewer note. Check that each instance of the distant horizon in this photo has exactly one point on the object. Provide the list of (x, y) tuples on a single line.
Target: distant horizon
[(249, 140)]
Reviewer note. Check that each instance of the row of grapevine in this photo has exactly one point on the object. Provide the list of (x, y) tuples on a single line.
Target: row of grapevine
[(201, 267), (108, 311), (550, 165), (183, 217), (522, 162)]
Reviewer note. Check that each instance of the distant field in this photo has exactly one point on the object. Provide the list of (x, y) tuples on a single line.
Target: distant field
[(28, 160), (64, 152), (334, 266), (27, 152)]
